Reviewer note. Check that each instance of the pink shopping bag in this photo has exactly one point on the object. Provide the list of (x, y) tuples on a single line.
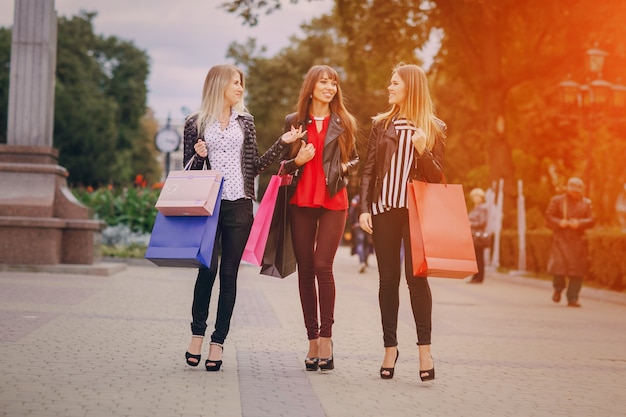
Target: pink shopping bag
[(189, 192), (253, 252)]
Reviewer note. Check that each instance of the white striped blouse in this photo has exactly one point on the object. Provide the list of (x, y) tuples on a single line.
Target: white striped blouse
[(393, 192)]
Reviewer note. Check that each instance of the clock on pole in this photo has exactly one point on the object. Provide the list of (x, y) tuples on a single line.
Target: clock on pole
[(167, 140)]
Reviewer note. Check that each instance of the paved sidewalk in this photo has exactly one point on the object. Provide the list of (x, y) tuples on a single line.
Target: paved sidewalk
[(83, 345)]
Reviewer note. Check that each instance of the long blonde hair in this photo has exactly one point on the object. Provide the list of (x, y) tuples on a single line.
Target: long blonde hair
[(417, 107), (337, 106), (217, 80)]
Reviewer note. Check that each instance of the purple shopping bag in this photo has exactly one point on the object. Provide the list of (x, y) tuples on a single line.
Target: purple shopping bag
[(184, 241)]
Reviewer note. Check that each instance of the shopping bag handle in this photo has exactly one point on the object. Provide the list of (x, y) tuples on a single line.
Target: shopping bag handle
[(286, 179), (443, 178), (188, 166)]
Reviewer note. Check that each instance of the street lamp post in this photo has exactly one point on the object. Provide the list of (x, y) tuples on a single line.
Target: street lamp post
[(590, 101)]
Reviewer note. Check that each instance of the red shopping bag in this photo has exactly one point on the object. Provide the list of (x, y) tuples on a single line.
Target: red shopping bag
[(441, 237), (257, 240)]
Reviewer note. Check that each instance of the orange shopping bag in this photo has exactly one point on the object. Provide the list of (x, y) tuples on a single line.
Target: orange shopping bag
[(441, 238)]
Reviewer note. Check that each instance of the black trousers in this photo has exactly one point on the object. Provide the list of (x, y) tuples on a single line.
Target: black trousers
[(391, 229), (573, 287), (233, 229), (480, 262)]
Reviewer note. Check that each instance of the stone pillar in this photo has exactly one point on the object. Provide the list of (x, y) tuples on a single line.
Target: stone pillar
[(33, 67), (41, 223)]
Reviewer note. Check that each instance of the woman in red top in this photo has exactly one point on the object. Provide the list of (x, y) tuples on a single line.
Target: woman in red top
[(321, 163)]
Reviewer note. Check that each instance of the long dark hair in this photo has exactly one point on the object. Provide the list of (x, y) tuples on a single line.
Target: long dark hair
[(337, 106)]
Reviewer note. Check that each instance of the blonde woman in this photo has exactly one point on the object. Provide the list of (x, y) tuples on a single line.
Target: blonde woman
[(222, 135), (319, 205), (406, 143)]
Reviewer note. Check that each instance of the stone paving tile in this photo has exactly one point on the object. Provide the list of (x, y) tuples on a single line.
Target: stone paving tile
[(114, 346), (11, 292), (16, 324), (273, 384)]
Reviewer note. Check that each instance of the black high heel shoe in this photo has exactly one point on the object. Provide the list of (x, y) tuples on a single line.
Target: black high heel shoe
[(390, 370), (192, 356), (329, 363), (311, 363), (428, 375), (211, 365)]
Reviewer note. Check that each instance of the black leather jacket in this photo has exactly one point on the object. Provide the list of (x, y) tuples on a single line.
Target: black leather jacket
[(383, 143), (251, 163), (336, 179)]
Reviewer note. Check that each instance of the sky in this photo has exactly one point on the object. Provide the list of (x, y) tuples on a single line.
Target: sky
[(183, 39)]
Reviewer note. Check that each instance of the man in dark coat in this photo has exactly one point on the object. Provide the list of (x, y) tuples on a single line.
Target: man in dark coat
[(569, 215)]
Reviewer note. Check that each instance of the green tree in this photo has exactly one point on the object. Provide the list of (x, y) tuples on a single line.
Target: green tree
[(494, 80), (100, 101), (100, 105), (508, 57), (85, 129), (273, 83)]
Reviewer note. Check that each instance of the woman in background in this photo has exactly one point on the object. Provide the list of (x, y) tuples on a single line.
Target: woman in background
[(478, 223)]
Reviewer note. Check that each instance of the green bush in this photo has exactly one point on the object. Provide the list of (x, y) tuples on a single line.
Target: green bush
[(134, 250), (132, 206)]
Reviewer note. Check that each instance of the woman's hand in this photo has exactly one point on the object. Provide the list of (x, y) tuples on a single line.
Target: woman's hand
[(200, 148), (305, 154), (292, 135), (419, 140), (365, 220)]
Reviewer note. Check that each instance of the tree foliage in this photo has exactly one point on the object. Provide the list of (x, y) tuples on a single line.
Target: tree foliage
[(494, 82), (100, 102), (273, 83), (100, 128)]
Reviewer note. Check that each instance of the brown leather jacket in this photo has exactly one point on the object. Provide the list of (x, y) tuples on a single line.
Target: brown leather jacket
[(383, 143)]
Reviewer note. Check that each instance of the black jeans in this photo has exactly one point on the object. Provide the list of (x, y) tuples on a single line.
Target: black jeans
[(480, 262), (233, 229), (391, 228)]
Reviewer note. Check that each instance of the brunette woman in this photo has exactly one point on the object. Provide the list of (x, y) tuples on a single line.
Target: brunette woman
[(222, 135), (319, 205), (406, 143)]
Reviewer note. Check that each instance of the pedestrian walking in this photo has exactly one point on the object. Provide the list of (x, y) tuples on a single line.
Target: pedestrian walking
[(478, 223), (318, 209), (361, 241), (406, 143), (569, 215), (222, 136)]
